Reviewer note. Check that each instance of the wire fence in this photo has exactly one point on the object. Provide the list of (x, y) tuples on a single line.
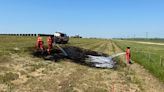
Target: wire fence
[(145, 56), (149, 57)]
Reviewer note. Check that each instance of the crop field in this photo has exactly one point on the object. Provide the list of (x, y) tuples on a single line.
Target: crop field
[(20, 71)]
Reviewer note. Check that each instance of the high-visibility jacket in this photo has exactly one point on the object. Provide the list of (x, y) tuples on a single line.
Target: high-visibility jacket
[(128, 55), (39, 39), (49, 40), (39, 43)]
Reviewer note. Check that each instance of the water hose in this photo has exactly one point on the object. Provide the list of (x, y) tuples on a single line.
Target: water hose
[(118, 54), (61, 50)]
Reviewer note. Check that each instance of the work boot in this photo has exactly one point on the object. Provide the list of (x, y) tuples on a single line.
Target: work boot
[(130, 62)]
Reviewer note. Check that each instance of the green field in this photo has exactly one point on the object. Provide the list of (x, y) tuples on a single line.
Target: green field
[(20, 71), (150, 56), (147, 40)]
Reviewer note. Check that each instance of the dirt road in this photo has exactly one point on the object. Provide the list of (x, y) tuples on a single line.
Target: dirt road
[(151, 43)]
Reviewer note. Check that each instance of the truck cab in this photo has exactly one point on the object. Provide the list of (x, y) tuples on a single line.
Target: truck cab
[(60, 38)]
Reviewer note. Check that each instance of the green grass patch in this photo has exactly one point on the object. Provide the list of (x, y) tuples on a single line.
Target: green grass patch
[(147, 56)]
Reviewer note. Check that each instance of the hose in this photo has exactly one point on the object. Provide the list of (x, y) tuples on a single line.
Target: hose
[(61, 50)]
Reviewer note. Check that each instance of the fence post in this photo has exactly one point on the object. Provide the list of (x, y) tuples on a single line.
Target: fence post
[(149, 57), (160, 60), (3, 51)]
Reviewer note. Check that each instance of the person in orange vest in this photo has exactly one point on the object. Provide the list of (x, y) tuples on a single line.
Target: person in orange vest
[(128, 55), (49, 42), (39, 42)]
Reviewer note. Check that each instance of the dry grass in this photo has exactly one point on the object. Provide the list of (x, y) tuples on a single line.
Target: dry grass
[(21, 72)]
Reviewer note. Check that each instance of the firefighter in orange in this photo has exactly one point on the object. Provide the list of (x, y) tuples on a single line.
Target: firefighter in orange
[(128, 55), (49, 42), (39, 43)]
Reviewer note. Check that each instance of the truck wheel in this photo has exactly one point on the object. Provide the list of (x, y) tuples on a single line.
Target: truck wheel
[(65, 42)]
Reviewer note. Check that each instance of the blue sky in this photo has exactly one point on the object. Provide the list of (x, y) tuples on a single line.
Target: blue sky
[(89, 18)]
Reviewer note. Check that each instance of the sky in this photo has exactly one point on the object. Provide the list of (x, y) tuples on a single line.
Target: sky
[(88, 18)]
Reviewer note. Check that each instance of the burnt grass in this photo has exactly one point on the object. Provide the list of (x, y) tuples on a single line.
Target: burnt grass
[(75, 54)]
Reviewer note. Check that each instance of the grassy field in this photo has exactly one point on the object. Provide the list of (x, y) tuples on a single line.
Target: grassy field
[(148, 40), (150, 56), (20, 71)]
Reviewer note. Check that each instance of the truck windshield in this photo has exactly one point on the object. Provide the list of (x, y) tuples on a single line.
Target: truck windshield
[(62, 35)]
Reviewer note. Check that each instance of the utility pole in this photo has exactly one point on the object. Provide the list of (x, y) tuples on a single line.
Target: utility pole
[(146, 35), (134, 36)]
